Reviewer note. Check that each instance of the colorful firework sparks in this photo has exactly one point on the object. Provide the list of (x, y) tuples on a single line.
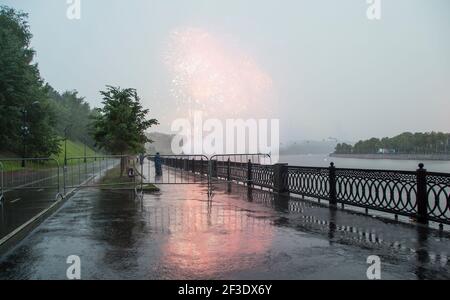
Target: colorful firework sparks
[(211, 76)]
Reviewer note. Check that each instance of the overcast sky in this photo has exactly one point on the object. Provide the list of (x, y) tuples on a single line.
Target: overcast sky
[(320, 66)]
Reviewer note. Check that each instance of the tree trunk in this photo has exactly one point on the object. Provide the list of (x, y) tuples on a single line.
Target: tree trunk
[(123, 165)]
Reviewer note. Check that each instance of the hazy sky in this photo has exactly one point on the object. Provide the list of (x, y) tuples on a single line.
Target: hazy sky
[(320, 66)]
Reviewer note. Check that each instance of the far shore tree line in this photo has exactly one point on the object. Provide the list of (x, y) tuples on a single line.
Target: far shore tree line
[(405, 143), (35, 118)]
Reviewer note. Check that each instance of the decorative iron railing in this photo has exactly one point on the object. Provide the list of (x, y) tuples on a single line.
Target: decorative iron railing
[(421, 195), (438, 195), (388, 191), (262, 175), (308, 181)]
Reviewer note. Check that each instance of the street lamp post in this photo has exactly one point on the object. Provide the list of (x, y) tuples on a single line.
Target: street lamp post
[(24, 144), (25, 131), (65, 149), (65, 144), (84, 151)]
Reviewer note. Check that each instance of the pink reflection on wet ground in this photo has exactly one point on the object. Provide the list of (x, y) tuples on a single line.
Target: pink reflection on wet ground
[(205, 239)]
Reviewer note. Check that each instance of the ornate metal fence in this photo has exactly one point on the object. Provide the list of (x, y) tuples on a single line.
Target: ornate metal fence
[(308, 181), (438, 195), (241, 168), (388, 191), (421, 195), (263, 175)]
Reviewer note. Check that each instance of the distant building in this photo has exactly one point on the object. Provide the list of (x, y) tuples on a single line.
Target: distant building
[(386, 151)]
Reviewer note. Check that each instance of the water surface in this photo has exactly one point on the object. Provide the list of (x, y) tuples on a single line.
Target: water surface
[(323, 160)]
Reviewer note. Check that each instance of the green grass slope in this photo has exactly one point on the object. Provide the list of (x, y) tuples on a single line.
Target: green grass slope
[(74, 149)]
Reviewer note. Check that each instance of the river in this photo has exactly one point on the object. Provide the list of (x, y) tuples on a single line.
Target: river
[(323, 160)]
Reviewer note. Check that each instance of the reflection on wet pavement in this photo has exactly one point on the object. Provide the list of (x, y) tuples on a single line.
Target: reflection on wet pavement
[(180, 233)]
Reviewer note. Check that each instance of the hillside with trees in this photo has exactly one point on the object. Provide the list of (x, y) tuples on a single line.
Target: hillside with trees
[(69, 109), (405, 143)]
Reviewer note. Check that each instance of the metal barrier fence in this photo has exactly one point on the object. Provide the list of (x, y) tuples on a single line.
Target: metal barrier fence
[(17, 174), (97, 171), (30, 174), (175, 169)]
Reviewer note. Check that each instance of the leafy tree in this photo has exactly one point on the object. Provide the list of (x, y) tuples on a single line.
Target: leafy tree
[(27, 120), (119, 127), (344, 148), (72, 109)]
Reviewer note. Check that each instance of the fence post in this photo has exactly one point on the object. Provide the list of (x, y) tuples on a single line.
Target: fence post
[(185, 164), (64, 179), (201, 167), (249, 173), (228, 170), (142, 162), (332, 182), (280, 175), (422, 197), (213, 168)]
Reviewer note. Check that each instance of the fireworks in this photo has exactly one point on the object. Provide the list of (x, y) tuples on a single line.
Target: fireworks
[(213, 76)]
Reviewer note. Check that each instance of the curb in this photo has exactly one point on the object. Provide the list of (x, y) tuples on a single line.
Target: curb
[(11, 240)]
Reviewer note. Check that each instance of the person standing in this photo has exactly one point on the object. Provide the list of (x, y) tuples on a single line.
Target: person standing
[(158, 167)]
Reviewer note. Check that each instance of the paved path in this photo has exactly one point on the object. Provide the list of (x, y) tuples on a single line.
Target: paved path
[(26, 193), (180, 233)]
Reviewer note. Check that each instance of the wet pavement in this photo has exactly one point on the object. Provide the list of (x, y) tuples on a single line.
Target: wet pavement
[(26, 193), (182, 233), (18, 207)]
